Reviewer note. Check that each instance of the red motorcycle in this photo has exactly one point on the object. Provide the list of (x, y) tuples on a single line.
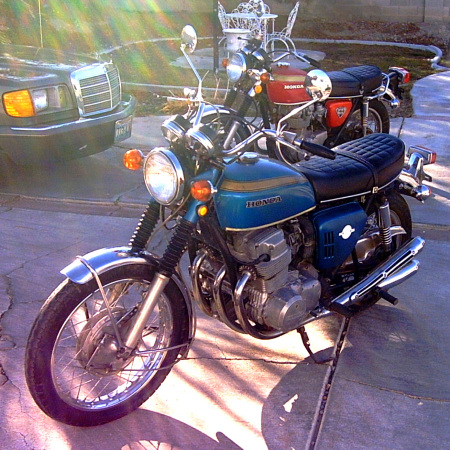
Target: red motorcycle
[(275, 86)]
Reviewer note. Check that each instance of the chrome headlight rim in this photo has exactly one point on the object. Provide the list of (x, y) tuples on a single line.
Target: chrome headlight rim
[(174, 128), (236, 67), (166, 193)]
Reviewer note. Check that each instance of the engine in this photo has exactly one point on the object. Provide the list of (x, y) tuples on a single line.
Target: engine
[(278, 296), (309, 124)]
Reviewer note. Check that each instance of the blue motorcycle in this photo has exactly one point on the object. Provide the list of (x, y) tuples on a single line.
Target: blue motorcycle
[(272, 247)]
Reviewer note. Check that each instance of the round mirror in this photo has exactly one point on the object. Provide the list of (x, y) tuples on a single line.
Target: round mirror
[(189, 38), (318, 84)]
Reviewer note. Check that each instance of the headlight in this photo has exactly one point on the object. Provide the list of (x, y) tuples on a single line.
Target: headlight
[(175, 128), (31, 102), (164, 176), (236, 67)]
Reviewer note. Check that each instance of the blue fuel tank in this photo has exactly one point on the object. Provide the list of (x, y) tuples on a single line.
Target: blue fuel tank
[(256, 192)]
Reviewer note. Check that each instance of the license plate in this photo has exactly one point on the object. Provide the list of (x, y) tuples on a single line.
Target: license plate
[(123, 129)]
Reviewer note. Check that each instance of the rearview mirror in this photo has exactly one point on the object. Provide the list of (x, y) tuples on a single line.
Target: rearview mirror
[(318, 84), (189, 38)]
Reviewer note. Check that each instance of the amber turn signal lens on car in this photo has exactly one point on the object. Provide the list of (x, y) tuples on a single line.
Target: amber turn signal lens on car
[(202, 190), (18, 104), (225, 63), (133, 159)]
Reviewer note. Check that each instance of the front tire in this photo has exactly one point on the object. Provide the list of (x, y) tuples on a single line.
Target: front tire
[(73, 366)]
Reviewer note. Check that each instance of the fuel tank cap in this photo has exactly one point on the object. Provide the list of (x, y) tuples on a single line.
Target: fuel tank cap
[(249, 158)]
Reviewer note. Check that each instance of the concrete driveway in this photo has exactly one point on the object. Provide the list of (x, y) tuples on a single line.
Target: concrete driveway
[(388, 389)]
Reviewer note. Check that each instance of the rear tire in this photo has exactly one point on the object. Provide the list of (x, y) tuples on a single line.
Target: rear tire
[(400, 215), (378, 122), (72, 364)]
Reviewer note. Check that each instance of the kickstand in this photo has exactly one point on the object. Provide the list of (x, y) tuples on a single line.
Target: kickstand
[(305, 340)]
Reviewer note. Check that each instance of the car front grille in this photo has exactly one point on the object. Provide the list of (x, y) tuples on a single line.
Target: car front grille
[(97, 88)]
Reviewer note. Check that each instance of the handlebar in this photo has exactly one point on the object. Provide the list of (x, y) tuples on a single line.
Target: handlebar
[(288, 139), (300, 56)]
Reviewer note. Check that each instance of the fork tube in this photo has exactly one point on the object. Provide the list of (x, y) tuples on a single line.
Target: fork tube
[(145, 310), (169, 262)]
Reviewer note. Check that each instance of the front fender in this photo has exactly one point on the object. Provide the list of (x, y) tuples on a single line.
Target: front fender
[(105, 259), (101, 261)]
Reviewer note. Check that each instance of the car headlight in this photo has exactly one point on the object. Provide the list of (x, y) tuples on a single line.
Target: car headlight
[(236, 67), (164, 176), (31, 102)]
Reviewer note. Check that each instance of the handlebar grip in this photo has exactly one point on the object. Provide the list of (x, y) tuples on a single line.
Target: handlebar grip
[(316, 149)]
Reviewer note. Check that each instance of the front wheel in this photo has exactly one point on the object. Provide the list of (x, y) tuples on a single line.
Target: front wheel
[(74, 368)]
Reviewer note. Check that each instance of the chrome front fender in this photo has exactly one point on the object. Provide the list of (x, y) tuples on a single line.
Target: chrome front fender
[(100, 261)]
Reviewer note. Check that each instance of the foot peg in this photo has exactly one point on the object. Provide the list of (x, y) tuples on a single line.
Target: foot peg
[(388, 297)]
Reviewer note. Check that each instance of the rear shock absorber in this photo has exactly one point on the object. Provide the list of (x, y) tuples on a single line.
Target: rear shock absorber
[(384, 221), (365, 116), (145, 227)]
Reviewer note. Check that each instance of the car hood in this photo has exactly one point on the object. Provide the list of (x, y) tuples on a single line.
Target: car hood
[(16, 55)]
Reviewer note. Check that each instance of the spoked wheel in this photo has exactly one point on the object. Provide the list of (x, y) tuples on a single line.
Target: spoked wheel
[(377, 122), (74, 367)]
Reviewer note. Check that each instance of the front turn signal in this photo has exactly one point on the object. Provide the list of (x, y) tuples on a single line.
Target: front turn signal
[(202, 190), (265, 78), (133, 159)]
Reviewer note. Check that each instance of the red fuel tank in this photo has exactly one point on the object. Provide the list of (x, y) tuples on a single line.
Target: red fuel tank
[(287, 86)]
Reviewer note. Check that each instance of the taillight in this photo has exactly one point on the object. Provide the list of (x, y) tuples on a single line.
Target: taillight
[(429, 156), (402, 74)]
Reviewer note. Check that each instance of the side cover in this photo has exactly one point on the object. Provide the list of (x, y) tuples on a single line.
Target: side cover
[(255, 192), (337, 231)]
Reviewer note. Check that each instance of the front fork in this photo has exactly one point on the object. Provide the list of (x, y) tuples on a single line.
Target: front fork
[(167, 266), (170, 259)]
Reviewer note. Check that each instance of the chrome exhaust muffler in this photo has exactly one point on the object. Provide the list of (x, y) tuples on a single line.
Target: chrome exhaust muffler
[(396, 269)]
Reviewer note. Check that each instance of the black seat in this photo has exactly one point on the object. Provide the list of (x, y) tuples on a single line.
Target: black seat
[(360, 166), (354, 81)]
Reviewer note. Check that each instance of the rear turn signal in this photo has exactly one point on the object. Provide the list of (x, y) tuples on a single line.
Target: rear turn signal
[(133, 159)]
